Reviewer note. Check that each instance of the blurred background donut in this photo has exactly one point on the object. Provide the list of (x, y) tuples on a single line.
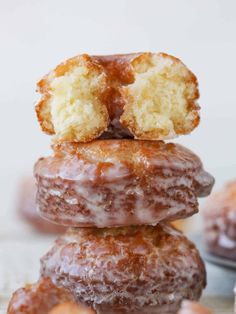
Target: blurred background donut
[(220, 222)]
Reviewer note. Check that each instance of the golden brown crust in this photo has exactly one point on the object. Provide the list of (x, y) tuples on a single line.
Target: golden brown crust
[(119, 67), (128, 120), (141, 269), (42, 108), (220, 222), (44, 120), (71, 308), (109, 183), (182, 225), (38, 298), (119, 72)]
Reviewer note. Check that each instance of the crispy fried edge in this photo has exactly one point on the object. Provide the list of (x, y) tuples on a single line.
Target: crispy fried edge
[(43, 87)]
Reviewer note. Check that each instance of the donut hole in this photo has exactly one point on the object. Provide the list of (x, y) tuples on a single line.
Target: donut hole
[(75, 105), (160, 103)]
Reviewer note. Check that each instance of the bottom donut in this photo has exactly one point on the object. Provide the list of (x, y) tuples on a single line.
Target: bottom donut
[(141, 269), (38, 298), (44, 298)]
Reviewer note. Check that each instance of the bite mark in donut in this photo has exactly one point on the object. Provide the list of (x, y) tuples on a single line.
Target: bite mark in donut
[(149, 96)]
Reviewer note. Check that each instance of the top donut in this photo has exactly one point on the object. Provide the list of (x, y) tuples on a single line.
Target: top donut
[(151, 96)]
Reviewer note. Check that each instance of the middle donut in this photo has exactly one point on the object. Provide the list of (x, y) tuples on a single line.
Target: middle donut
[(107, 183)]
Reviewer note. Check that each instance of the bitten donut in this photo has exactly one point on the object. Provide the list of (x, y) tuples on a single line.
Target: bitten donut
[(220, 222), (137, 270), (191, 307), (119, 182), (143, 95), (38, 298), (27, 208)]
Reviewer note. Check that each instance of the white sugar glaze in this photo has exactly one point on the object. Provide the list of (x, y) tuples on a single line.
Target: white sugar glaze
[(103, 186), (100, 266)]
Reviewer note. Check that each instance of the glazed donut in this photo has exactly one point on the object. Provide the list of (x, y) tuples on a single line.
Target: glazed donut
[(38, 298), (27, 208), (119, 182), (71, 308), (191, 307), (137, 270), (220, 222), (146, 95)]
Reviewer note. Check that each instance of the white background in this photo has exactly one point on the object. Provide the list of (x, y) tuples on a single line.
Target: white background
[(36, 35)]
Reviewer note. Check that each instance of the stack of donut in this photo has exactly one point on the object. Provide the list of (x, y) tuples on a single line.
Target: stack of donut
[(117, 185)]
